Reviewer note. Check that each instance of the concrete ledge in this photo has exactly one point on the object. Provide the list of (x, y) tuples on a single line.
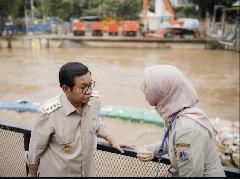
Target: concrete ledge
[(68, 41)]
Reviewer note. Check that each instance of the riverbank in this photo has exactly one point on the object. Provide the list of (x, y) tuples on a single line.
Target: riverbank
[(69, 41), (33, 74)]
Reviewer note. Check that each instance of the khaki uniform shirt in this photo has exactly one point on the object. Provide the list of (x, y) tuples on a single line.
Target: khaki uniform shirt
[(62, 141), (191, 150)]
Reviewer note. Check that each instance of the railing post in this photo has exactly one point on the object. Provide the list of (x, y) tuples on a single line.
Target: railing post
[(26, 138)]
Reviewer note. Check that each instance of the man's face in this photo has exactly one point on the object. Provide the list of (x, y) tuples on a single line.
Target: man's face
[(81, 92)]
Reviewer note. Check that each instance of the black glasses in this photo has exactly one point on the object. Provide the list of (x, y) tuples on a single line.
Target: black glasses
[(84, 89)]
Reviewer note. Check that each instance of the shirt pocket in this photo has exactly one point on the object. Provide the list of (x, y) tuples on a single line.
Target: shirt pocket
[(63, 140)]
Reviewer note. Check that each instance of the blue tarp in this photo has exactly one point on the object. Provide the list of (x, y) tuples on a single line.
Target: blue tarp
[(16, 28), (39, 28), (122, 112)]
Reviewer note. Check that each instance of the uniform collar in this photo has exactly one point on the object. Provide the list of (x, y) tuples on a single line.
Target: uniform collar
[(67, 105)]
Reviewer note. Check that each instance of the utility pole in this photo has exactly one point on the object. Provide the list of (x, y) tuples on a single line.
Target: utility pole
[(26, 16), (32, 11), (145, 16)]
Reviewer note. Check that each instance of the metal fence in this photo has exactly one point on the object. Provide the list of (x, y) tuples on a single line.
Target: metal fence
[(109, 162)]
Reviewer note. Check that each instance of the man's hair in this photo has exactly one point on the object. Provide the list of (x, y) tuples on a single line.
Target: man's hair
[(70, 70)]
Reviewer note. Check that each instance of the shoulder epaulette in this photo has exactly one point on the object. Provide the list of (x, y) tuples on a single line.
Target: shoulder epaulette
[(51, 105)]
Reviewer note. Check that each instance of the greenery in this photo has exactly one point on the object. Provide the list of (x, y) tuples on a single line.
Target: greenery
[(207, 6), (127, 9), (8, 9), (65, 9), (186, 10)]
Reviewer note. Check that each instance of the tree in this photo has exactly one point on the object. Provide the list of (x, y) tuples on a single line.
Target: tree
[(11, 8), (208, 5), (118, 8), (130, 9)]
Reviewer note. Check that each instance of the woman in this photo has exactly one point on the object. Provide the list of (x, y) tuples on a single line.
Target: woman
[(190, 136)]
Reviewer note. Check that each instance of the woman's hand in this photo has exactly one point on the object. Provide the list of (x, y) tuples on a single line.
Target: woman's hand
[(144, 155), (32, 171)]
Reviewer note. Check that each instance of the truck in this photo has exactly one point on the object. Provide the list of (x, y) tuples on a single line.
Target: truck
[(97, 28), (113, 29), (78, 27), (130, 28)]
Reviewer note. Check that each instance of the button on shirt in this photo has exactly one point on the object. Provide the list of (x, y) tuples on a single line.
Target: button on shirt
[(63, 142)]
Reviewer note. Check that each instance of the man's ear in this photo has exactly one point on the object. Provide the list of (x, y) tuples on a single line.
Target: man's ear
[(66, 90)]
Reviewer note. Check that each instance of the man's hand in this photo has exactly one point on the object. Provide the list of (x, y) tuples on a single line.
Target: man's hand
[(119, 146), (144, 155)]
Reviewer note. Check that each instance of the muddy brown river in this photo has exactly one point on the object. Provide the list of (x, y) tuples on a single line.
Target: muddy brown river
[(33, 74)]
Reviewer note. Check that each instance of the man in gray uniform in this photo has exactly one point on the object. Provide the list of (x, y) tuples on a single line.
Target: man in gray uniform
[(64, 133)]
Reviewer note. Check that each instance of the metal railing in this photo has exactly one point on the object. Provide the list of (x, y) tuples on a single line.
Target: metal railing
[(109, 162)]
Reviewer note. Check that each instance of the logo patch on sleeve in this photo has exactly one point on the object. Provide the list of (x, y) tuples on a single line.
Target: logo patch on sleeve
[(183, 152)]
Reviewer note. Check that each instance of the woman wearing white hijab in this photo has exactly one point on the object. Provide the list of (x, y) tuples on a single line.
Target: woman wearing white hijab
[(192, 149)]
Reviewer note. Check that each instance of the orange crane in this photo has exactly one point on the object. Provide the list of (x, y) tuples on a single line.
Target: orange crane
[(168, 7), (145, 9), (172, 19), (146, 32), (168, 21)]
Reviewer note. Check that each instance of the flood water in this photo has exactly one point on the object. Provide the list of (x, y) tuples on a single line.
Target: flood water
[(33, 74)]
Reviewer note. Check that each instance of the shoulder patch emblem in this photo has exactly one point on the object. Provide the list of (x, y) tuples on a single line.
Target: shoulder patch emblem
[(52, 107), (52, 104), (183, 152)]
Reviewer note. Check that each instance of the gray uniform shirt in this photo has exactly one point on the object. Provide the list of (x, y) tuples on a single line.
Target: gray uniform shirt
[(62, 141), (191, 150)]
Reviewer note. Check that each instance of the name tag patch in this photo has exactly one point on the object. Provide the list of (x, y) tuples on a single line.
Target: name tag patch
[(183, 152)]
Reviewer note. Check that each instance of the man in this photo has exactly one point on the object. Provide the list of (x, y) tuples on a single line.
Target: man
[(64, 133)]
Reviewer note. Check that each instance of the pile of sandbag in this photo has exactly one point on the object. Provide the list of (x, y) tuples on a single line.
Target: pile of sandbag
[(228, 141)]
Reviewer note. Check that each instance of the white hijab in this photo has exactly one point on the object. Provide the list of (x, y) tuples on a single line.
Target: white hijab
[(170, 91)]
